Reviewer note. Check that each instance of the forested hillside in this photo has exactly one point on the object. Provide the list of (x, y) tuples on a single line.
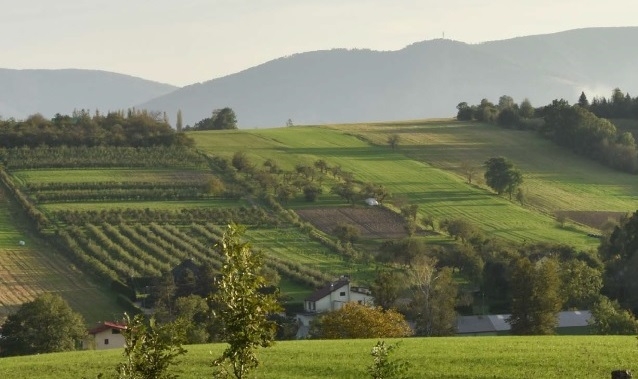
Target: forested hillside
[(423, 80)]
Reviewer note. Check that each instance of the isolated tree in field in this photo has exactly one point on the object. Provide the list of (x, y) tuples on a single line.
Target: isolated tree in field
[(469, 170), (243, 307), (433, 298), (150, 349), (44, 325), (360, 321), (536, 296), (502, 176), (383, 367), (393, 140)]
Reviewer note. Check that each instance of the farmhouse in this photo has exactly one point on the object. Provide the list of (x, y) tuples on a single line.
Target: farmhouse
[(106, 335), (331, 298), (497, 324)]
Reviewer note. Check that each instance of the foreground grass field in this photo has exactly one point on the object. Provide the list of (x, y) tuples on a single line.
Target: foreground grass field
[(454, 357)]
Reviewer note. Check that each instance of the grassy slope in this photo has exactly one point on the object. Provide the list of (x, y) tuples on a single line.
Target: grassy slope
[(422, 170), (454, 357), (555, 179), (26, 271)]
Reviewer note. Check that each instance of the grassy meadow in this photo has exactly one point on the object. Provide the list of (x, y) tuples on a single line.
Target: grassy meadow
[(426, 170), (454, 357)]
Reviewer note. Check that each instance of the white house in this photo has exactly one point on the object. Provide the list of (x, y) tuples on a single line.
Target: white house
[(106, 335), (331, 298), (334, 295)]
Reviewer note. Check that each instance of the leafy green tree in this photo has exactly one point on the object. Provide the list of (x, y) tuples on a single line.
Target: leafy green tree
[(619, 253), (460, 229), (45, 325), (526, 110), (581, 284), (536, 297), (243, 307), (434, 295), (502, 176), (469, 169), (386, 288), (321, 165), (347, 232), (346, 191), (355, 320), (240, 161), (393, 140), (150, 349), (383, 367), (582, 100), (311, 192), (609, 318), (464, 113), (192, 313), (224, 118)]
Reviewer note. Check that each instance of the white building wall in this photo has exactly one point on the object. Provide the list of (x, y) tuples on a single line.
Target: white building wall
[(107, 340)]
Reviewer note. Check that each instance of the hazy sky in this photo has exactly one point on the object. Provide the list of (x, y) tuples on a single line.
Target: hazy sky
[(188, 41)]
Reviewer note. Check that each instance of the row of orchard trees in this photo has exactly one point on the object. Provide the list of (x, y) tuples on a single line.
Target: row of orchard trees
[(134, 128), (578, 128), (241, 310)]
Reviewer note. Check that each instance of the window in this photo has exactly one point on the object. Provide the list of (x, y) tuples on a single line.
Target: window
[(115, 331), (342, 294), (106, 341)]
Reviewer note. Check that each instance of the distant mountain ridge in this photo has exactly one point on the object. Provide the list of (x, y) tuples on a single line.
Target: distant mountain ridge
[(423, 80), (25, 92)]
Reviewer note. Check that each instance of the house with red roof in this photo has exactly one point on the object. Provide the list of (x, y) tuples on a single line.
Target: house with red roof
[(106, 335)]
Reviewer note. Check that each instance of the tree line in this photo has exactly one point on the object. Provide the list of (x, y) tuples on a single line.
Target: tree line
[(580, 128), (135, 128)]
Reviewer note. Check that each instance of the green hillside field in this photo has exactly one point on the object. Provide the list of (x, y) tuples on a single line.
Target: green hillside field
[(26, 271), (426, 170), (454, 357)]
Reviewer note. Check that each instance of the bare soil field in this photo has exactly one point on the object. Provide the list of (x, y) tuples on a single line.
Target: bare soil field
[(373, 222), (595, 219)]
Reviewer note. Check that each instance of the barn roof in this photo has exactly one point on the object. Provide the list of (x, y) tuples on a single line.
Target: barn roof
[(498, 323), (106, 326)]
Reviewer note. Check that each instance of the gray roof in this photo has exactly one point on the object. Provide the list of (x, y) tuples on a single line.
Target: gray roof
[(326, 290), (498, 323)]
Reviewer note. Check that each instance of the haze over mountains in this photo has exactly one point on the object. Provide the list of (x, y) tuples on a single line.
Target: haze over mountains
[(423, 80), (25, 92)]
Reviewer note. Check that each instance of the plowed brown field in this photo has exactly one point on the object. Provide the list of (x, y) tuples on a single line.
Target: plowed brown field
[(373, 222)]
